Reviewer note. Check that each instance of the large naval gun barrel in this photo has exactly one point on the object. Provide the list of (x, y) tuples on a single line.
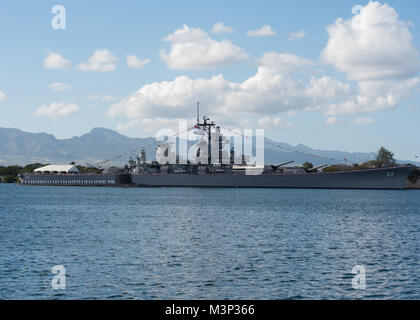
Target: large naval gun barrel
[(316, 168), (276, 166)]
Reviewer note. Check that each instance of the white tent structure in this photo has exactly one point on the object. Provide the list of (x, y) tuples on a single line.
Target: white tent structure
[(60, 168)]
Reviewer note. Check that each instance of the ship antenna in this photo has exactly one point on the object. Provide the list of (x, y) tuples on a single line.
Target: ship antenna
[(198, 112)]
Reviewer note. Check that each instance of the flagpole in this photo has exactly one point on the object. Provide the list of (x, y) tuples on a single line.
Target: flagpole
[(198, 112)]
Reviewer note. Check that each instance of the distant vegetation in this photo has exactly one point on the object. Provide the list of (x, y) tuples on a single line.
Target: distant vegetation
[(415, 176), (384, 158), (307, 165), (84, 169), (338, 167), (10, 174)]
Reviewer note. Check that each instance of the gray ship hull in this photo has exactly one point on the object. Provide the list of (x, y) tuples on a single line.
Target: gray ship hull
[(75, 179), (385, 178)]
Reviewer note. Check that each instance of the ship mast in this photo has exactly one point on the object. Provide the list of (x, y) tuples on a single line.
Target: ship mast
[(206, 125)]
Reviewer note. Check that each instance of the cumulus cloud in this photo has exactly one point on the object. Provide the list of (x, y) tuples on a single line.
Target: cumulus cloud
[(57, 110), (331, 120), (56, 61), (101, 60), (364, 121), (168, 98), (59, 86), (2, 96), (220, 28), (297, 35), (149, 125), (283, 62), (267, 92), (274, 122), (327, 88), (374, 49), (374, 95), (134, 62), (264, 31), (373, 44), (193, 48)]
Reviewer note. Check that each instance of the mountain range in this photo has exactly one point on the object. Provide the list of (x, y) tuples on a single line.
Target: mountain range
[(20, 147)]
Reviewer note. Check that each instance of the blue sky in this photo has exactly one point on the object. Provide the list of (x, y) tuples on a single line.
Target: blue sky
[(369, 75)]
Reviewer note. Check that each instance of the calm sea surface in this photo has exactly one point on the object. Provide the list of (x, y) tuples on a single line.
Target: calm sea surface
[(183, 243)]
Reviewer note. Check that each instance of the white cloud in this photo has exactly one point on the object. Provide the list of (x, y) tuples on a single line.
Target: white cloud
[(149, 125), (283, 62), (274, 122), (375, 49), (327, 89), (92, 97), (101, 60), (373, 44), (57, 110), (2, 96), (297, 35), (364, 121), (59, 86), (134, 62), (168, 98), (192, 48), (331, 120), (186, 34), (220, 28), (264, 31), (265, 93), (374, 95), (56, 61)]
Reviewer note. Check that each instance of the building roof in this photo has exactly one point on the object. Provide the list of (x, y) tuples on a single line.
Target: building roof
[(67, 168)]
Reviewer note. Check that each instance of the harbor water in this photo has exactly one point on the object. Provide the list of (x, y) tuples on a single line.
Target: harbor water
[(186, 243)]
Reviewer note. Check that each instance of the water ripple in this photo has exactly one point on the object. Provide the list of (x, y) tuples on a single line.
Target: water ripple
[(208, 243)]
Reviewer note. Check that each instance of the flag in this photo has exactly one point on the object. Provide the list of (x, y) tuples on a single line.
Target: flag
[(197, 130)]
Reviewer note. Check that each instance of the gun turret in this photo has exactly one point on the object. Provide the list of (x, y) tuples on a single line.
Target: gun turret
[(275, 167), (316, 168)]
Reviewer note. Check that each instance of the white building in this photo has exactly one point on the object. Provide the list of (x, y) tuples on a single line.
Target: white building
[(57, 169)]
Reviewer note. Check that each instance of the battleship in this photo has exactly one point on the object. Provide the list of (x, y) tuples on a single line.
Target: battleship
[(217, 174), (207, 170)]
